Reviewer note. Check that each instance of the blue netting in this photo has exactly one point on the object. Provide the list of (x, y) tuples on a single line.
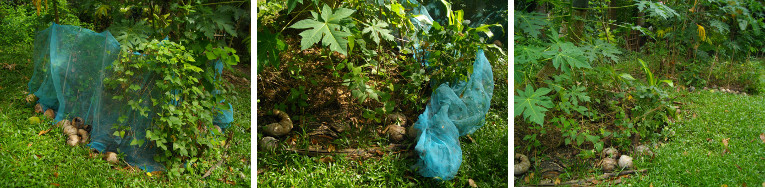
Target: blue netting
[(224, 117), (452, 112), (70, 66)]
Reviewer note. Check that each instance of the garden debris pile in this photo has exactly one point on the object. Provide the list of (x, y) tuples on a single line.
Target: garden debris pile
[(70, 65)]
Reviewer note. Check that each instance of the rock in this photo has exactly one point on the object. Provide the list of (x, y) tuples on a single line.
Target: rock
[(73, 140), (282, 127), (38, 108), (610, 152), (31, 98), (83, 136), (608, 164), (50, 113), (395, 133), (111, 157), (522, 164), (34, 120), (625, 162), (268, 143), (643, 150)]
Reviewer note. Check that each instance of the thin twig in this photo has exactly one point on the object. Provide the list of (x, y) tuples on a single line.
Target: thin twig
[(604, 176)]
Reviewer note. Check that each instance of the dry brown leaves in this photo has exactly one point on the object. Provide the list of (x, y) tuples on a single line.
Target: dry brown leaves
[(8, 66), (43, 132)]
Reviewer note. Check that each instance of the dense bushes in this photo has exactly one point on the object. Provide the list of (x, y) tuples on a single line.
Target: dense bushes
[(582, 87)]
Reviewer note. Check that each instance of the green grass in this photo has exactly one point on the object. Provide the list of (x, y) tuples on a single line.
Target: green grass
[(484, 161), (689, 159), (31, 160)]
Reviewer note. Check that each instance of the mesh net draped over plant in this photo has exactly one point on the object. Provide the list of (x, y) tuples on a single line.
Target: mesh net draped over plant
[(453, 111), (70, 66)]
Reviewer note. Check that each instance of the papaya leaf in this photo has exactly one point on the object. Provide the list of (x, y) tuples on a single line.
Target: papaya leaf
[(527, 54), (327, 25), (291, 5), (722, 27), (533, 104), (377, 29), (567, 53), (530, 23), (657, 9)]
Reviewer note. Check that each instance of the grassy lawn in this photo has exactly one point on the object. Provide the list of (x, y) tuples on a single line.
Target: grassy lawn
[(484, 161), (694, 156), (31, 160)]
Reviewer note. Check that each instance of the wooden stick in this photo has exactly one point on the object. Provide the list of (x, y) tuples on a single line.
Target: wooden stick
[(350, 152), (604, 176), (220, 162)]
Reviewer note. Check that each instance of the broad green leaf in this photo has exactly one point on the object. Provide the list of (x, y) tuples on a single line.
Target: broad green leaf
[(134, 87), (377, 29), (398, 9), (722, 27), (325, 28), (603, 48), (529, 23), (668, 82), (527, 54), (567, 54), (533, 104), (626, 76), (291, 5), (192, 68)]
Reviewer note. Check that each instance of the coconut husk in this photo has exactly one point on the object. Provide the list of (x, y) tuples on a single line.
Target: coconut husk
[(78, 123), (282, 127), (38, 108), (395, 133), (69, 130), (31, 98), (50, 113), (111, 157), (84, 136), (73, 140)]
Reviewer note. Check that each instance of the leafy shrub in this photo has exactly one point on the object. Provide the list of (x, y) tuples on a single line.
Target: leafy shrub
[(182, 106)]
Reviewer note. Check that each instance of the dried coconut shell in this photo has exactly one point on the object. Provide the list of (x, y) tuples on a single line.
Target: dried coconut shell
[(625, 162), (38, 108), (78, 123), (50, 113), (84, 136), (31, 98), (111, 157), (73, 140), (282, 127), (69, 130), (608, 164), (62, 123), (396, 133)]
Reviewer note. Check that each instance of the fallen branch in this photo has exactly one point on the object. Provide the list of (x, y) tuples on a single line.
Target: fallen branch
[(583, 182), (353, 153), (225, 153)]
